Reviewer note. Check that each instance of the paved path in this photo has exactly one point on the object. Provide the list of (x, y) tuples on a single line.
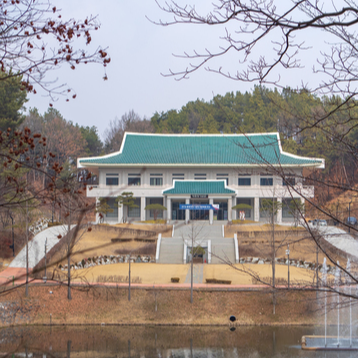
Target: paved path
[(198, 274), (340, 239), (37, 246)]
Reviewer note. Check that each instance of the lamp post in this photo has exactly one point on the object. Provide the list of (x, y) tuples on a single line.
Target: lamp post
[(288, 266), (349, 216)]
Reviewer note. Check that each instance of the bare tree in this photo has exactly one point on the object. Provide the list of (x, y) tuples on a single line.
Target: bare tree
[(35, 40), (129, 122), (194, 240)]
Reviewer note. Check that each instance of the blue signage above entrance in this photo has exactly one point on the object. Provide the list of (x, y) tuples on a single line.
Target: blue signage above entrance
[(198, 207)]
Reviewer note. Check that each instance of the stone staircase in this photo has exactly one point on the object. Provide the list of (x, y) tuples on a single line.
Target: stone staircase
[(172, 249), (222, 251)]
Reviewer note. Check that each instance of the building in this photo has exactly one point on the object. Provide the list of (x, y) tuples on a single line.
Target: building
[(176, 169)]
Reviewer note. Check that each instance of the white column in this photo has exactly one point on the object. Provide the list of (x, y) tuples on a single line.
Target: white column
[(97, 214), (229, 209), (142, 206), (169, 209), (279, 211), (211, 212), (234, 212), (187, 213), (256, 209)]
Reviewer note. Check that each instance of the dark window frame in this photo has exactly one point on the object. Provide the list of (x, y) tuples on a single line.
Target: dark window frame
[(289, 181), (266, 181), (243, 180), (156, 181), (112, 181), (134, 181)]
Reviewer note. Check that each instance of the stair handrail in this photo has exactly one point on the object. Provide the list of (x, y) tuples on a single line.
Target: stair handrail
[(157, 251), (237, 257)]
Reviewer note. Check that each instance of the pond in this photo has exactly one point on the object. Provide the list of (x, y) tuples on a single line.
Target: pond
[(149, 341)]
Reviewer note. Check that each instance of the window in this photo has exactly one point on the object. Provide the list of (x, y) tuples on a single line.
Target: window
[(111, 202), (223, 177), (178, 176), (289, 181), (266, 181), (244, 181), (156, 179), (288, 208), (134, 212), (199, 176), (133, 179), (111, 181)]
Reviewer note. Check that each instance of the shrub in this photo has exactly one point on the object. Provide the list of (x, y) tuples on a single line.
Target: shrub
[(54, 224), (214, 280), (175, 279)]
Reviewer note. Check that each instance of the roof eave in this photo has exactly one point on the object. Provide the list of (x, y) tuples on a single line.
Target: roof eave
[(320, 165)]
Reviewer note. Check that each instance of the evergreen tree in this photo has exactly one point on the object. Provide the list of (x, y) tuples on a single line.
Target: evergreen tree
[(12, 100), (210, 125), (201, 128)]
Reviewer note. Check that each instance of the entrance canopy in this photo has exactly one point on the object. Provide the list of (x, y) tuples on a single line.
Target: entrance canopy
[(199, 187)]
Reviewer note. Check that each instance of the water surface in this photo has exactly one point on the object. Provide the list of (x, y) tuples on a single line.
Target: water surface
[(159, 342)]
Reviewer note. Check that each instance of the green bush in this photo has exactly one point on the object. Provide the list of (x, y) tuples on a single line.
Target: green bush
[(175, 279)]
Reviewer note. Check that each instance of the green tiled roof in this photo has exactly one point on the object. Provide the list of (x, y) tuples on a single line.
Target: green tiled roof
[(199, 187), (162, 149)]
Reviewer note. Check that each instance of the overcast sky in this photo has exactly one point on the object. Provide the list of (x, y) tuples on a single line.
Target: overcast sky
[(140, 51)]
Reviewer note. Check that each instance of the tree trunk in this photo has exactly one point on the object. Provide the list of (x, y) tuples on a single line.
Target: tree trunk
[(27, 251), (273, 258), (69, 254)]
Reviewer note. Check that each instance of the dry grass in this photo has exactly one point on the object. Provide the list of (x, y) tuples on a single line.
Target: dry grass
[(242, 274), (231, 229), (301, 248), (101, 304), (158, 228), (4, 262), (148, 273), (96, 243), (257, 243)]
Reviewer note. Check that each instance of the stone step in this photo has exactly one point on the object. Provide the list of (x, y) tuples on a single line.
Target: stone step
[(171, 251), (222, 250)]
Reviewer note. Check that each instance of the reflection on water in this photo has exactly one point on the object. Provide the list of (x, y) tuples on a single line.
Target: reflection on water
[(158, 342)]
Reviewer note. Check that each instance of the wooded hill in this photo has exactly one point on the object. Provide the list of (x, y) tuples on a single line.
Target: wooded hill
[(297, 115)]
